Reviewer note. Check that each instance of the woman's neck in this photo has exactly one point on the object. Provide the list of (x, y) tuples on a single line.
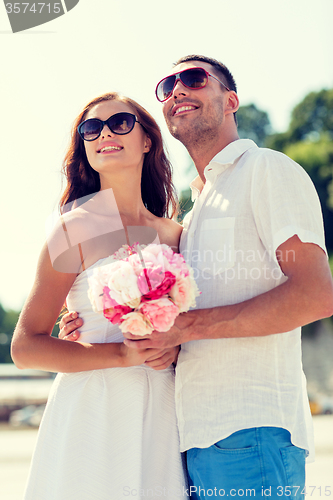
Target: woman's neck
[(127, 195)]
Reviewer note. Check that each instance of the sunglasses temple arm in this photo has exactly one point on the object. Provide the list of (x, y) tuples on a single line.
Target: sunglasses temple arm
[(219, 82)]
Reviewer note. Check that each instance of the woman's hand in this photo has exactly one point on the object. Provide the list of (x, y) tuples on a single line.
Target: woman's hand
[(164, 358), (134, 357), (155, 358), (68, 326)]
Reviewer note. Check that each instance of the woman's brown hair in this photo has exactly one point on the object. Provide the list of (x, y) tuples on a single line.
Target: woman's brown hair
[(157, 190)]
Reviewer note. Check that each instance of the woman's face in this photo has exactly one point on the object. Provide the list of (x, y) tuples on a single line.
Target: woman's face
[(111, 151)]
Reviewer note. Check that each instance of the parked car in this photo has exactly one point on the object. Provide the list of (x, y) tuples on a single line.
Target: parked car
[(327, 405), (29, 415), (321, 404)]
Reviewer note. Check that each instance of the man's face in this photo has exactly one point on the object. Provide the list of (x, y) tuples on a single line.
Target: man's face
[(195, 115)]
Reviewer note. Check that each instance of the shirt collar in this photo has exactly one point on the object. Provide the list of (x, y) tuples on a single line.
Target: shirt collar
[(226, 157)]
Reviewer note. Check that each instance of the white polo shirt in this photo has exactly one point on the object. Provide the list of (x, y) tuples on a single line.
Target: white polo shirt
[(253, 200)]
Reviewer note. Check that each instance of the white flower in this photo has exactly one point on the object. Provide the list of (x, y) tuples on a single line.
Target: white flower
[(97, 279), (123, 284)]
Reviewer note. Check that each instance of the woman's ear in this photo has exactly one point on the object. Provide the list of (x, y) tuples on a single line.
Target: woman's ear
[(147, 144)]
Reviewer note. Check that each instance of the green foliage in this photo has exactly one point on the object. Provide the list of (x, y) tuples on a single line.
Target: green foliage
[(331, 266), (310, 119), (317, 159), (8, 320), (253, 124), (55, 331), (278, 141), (5, 356), (2, 314), (331, 263), (313, 116), (185, 204), (308, 141)]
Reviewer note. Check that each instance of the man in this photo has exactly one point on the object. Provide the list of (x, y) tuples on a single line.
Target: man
[(255, 241)]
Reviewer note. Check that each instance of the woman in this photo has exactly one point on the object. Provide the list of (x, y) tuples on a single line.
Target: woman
[(109, 428)]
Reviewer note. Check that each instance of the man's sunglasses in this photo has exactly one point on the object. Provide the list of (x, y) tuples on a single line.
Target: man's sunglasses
[(120, 124), (192, 78)]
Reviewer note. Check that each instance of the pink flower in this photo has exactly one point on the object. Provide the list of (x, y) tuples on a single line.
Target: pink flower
[(177, 261), (156, 255), (161, 313), (153, 282), (167, 252), (135, 323), (150, 278), (184, 292), (111, 309), (135, 262)]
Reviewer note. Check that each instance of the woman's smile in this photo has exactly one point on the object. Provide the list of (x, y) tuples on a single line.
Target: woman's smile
[(108, 147)]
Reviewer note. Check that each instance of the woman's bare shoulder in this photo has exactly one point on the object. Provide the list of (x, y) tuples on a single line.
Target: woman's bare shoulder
[(169, 232), (64, 238)]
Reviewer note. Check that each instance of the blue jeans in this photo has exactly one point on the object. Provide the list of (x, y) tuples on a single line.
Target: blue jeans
[(259, 462)]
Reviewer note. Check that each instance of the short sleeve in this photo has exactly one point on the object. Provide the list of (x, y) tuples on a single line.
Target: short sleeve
[(285, 202)]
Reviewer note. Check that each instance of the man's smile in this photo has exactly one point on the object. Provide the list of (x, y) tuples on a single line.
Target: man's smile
[(183, 108)]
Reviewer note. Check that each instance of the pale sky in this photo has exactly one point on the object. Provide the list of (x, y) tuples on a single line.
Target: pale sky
[(278, 51)]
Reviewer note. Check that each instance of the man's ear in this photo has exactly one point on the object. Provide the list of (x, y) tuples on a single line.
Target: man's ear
[(147, 145), (232, 102)]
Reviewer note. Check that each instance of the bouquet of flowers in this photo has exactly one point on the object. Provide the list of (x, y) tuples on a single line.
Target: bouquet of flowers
[(145, 289)]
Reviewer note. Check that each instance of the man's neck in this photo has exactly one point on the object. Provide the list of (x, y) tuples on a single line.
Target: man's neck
[(202, 154)]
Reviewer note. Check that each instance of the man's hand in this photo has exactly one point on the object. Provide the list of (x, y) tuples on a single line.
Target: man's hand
[(178, 334), (68, 326)]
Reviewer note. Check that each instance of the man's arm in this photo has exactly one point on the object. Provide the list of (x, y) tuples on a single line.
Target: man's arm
[(305, 297)]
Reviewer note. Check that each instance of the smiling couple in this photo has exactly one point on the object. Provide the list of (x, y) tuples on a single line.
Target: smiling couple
[(243, 418)]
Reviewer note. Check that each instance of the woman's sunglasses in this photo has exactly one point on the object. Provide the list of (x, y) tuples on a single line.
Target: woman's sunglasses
[(193, 78), (120, 124)]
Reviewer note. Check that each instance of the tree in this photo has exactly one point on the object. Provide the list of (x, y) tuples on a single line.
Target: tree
[(317, 159), (311, 118), (253, 124), (308, 141)]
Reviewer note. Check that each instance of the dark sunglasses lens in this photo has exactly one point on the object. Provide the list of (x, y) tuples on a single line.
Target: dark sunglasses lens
[(121, 123), (165, 88), (194, 78), (90, 129)]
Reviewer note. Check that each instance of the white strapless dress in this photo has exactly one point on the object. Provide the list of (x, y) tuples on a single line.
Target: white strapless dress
[(107, 434)]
